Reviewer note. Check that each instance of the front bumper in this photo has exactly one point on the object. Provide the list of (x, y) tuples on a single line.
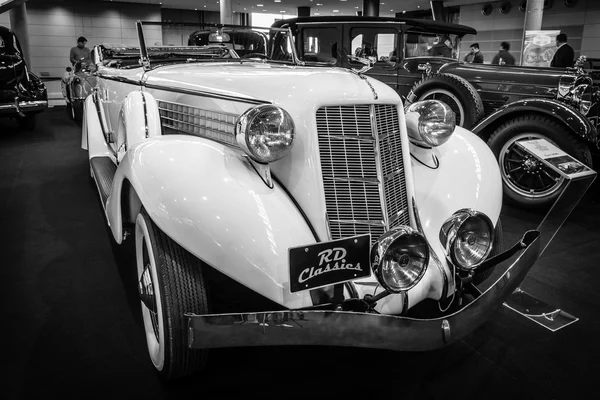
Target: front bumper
[(23, 106), (356, 329)]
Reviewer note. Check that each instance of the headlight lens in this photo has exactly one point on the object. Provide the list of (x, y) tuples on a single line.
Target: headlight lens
[(266, 133), (582, 95), (430, 121), (467, 238), (399, 258)]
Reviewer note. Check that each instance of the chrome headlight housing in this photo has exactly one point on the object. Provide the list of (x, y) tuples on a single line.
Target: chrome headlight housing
[(582, 97), (430, 122), (399, 258), (265, 132), (467, 237)]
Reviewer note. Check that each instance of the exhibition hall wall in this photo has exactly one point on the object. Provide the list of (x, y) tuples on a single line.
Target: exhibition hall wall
[(581, 23)]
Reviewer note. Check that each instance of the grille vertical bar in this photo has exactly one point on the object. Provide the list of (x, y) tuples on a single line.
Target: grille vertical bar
[(361, 160)]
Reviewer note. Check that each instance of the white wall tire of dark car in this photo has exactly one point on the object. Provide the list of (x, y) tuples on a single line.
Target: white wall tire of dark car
[(453, 90), (527, 183), (170, 284)]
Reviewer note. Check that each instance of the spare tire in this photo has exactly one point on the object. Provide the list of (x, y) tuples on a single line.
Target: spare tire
[(453, 90)]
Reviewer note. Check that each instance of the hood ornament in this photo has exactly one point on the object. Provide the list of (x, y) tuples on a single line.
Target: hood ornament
[(368, 64)]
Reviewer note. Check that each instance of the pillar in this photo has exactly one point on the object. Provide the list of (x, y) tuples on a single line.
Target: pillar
[(18, 23), (245, 19), (359, 13), (226, 12), (304, 11), (437, 10), (533, 15), (371, 8)]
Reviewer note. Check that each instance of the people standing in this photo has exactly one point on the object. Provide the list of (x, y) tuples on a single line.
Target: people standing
[(80, 51), (504, 57), (564, 55), (474, 56)]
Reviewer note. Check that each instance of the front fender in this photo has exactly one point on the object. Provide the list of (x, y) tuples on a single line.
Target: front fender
[(467, 177), (569, 117), (209, 199), (139, 119)]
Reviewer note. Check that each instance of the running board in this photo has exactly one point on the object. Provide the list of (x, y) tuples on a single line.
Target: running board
[(104, 170)]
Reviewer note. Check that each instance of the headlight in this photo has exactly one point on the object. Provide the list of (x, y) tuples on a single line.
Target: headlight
[(399, 258), (266, 133), (467, 238), (430, 122), (582, 95)]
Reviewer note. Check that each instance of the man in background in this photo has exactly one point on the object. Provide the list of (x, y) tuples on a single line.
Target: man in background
[(564, 55), (504, 57), (80, 51), (443, 48), (474, 56)]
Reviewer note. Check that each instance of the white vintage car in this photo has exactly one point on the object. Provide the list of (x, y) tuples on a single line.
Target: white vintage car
[(307, 189)]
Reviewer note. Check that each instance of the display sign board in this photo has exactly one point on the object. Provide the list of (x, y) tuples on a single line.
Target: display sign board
[(539, 48), (555, 158)]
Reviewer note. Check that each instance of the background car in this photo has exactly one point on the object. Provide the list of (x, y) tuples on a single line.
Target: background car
[(76, 85), (502, 104), (22, 93)]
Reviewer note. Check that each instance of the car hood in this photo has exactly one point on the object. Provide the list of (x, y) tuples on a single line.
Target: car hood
[(279, 83), (508, 74)]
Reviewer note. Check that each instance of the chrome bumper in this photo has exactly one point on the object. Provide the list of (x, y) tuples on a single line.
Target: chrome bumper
[(23, 106), (355, 329)]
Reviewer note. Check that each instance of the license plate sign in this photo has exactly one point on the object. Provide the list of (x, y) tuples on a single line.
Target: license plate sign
[(322, 264)]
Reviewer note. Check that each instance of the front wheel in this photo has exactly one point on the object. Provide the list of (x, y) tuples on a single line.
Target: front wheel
[(527, 182), (170, 284)]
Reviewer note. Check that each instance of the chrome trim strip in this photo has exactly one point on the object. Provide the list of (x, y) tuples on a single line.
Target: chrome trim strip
[(362, 180), (120, 79), (202, 93), (359, 222), (145, 115), (393, 174), (360, 329), (359, 138), (379, 168), (100, 111), (196, 108)]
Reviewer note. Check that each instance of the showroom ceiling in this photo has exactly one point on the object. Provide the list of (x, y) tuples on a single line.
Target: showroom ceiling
[(290, 7)]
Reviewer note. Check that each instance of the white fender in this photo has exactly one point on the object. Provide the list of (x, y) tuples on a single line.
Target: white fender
[(208, 198), (467, 177), (139, 119), (92, 137)]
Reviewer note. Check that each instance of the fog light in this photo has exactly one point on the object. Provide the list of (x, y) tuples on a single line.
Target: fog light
[(467, 237), (399, 258)]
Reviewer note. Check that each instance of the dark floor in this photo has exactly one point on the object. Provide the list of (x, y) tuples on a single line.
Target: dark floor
[(71, 329)]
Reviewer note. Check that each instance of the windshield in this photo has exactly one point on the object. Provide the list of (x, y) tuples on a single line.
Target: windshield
[(419, 44), (215, 44)]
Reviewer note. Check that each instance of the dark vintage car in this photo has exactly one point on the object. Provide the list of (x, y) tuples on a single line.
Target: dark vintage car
[(22, 94), (76, 85), (502, 104)]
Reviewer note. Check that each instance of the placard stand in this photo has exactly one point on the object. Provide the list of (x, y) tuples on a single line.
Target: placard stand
[(577, 178)]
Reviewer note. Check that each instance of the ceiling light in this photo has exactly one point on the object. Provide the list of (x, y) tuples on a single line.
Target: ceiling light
[(265, 10), (282, 12), (259, 5), (277, 1), (356, 7), (418, 6), (319, 4), (317, 14), (336, 10)]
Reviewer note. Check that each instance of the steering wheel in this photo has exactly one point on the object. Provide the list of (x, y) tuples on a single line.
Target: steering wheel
[(256, 55)]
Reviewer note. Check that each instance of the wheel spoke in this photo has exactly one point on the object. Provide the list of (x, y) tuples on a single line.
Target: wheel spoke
[(515, 169)]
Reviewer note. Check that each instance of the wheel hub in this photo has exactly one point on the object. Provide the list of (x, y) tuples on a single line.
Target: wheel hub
[(531, 165)]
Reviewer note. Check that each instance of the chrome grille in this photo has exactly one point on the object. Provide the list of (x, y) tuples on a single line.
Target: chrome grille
[(178, 118), (361, 182)]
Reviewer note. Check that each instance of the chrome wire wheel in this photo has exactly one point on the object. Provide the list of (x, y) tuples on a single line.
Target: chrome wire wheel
[(523, 173), (150, 295), (450, 99)]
